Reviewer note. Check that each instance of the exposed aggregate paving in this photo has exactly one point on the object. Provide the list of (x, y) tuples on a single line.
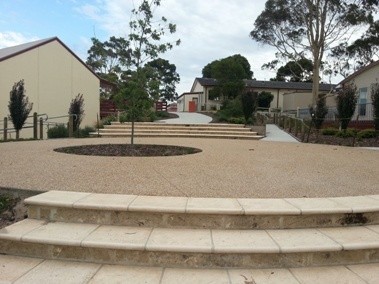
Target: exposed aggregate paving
[(225, 168)]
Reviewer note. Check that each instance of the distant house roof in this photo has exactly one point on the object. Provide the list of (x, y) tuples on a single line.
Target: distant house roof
[(210, 82), (9, 52), (360, 71)]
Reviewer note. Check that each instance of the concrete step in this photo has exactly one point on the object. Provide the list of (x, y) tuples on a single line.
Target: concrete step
[(36, 270), (243, 131), (146, 129), (154, 124), (178, 127), (210, 213), (177, 135), (191, 248)]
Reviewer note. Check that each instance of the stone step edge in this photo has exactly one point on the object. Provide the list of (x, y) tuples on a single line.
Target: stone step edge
[(180, 131), (214, 206), (118, 135), (24, 268), (204, 241), (188, 128), (180, 124)]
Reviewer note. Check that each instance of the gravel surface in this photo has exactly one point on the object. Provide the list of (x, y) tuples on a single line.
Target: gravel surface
[(225, 168)]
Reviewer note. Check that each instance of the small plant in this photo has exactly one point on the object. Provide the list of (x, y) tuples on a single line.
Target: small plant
[(330, 131), (346, 104), (249, 104), (84, 132), (319, 112), (347, 133), (108, 119), (237, 120), (77, 110), (375, 104), (19, 106), (5, 202), (367, 133), (58, 131), (265, 99)]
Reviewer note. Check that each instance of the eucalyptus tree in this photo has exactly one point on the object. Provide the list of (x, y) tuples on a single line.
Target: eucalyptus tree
[(310, 28)]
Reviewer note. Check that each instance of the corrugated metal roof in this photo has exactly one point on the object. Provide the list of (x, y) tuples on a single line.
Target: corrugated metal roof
[(360, 71), (271, 84), (8, 52)]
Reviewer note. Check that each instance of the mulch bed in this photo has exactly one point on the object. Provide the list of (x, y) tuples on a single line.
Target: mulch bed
[(127, 150), (12, 209), (334, 140)]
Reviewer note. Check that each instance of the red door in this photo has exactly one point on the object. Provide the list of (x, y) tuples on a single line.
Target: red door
[(192, 107)]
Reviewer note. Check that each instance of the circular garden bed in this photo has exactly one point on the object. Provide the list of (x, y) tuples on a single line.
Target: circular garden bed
[(127, 150)]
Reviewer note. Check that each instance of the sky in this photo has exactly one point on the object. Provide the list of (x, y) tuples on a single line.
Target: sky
[(208, 30)]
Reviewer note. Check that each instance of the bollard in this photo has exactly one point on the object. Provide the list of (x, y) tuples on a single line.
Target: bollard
[(35, 126), (5, 128), (41, 128), (71, 127)]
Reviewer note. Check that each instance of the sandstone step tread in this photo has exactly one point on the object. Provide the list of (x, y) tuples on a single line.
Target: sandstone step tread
[(178, 131), (178, 135), (190, 205), (193, 240), (16, 269)]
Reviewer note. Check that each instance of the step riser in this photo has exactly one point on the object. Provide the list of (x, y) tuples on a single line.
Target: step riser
[(177, 132), (189, 260), (113, 128), (176, 136), (211, 221), (158, 124)]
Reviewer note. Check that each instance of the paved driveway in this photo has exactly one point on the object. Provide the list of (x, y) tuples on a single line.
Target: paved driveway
[(189, 118)]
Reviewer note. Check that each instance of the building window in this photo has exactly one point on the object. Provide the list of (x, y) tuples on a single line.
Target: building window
[(362, 103)]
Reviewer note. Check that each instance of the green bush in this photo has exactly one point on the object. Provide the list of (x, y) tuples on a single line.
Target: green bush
[(367, 133), (161, 114), (107, 120), (329, 131), (229, 109), (84, 132), (237, 120), (350, 132), (58, 131)]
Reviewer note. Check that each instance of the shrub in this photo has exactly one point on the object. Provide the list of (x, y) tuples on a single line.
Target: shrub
[(329, 131), (237, 120), (265, 99), (346, 104), (84, 132), (108, 119), (249, 104), (19, 106), (77, 109), (229, 109), (161, 114), (319, 112), (347, 133), (58, 131), (367, 133), (375, 104)]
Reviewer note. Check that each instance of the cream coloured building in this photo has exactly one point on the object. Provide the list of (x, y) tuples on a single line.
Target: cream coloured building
[(53, 76), (288, 96), (363, 79)]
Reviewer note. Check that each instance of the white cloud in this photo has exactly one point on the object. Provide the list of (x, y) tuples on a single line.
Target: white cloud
[(209, 30), (10, 38)]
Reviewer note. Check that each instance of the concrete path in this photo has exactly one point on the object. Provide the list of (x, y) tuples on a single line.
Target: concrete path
[(189, 118), (35, 270), (274, 133)]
